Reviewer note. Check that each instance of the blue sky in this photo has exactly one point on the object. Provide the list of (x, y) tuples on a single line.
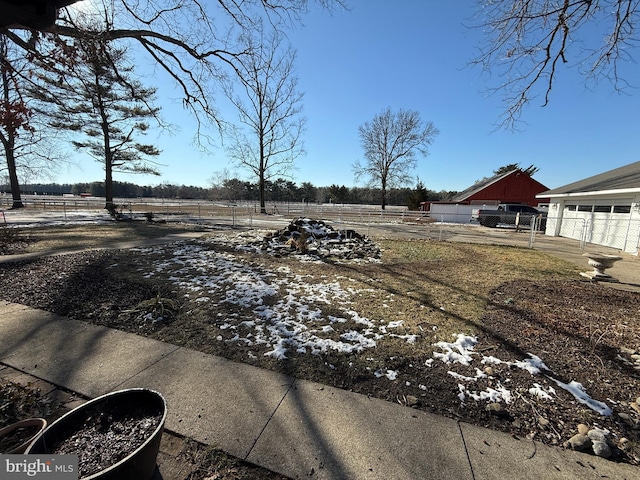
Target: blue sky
[(413, 54)]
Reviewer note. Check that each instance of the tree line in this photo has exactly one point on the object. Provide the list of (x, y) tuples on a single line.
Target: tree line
[(236, 190)]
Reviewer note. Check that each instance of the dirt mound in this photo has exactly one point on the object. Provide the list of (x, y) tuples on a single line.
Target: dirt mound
[(318, 238)]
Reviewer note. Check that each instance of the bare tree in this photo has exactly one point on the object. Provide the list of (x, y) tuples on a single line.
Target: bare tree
[(391, 142), (264, 92), (15, 117), (189, 39), (27, 145), (528, 41)]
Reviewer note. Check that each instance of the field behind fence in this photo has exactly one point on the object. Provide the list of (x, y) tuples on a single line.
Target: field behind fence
[(370, 220), (210, 211)]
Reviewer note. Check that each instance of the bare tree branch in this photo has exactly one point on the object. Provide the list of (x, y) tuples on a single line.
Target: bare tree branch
[(191, 40), (527, 41)]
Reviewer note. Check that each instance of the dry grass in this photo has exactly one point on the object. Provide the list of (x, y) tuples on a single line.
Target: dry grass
[(75, 237), (446, 285)]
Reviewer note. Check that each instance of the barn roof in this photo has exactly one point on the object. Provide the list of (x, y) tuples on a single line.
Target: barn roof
[(479, 186), (622, 178)]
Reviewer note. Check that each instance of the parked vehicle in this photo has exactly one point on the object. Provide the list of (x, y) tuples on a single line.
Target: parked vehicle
[(516, 214)]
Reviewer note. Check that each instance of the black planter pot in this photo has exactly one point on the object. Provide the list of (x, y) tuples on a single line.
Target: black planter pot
[(137, 465)]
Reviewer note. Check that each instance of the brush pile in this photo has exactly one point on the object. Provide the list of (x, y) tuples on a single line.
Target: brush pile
[(318, 238)]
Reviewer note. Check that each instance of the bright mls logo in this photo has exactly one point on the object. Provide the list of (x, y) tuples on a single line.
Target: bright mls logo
[(51, 467)]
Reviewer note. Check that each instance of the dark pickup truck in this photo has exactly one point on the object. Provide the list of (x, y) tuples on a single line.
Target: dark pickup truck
[(512, 214)]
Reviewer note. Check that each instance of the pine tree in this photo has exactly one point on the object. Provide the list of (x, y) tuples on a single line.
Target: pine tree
[(417, 196), (530, 170), (102, 101)]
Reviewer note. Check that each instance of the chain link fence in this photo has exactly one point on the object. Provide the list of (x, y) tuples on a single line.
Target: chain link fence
[(620, 232), (241, 213)]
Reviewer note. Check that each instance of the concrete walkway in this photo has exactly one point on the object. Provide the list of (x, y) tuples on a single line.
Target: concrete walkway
[(297, 428)]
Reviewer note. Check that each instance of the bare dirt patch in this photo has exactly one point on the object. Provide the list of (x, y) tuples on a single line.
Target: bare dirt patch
[(34, 239), (386, 328)]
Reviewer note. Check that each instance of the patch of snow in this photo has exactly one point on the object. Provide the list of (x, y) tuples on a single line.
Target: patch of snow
[(491, 360), (459, 351), (461, 377), (532, 365), (408, 338), (480, 374), (578, 391), (462, 351), (390, 374), (461, 390), (494, 395), (284, 304), (538, 391), (279, 351)]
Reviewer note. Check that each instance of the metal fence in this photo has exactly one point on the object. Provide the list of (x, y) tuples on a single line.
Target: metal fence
[(67, 209), (617, 231), (620, 232)]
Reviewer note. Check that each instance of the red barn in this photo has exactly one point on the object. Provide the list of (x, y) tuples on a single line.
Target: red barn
[(511, 187)]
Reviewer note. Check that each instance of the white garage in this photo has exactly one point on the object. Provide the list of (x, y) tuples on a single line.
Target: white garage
[(603, 209)]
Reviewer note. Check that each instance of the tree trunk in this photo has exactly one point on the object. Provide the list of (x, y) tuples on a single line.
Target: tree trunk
[(263, 203), (9, 133), (108, 185), (384, 195), (108, 161), (13, 179)]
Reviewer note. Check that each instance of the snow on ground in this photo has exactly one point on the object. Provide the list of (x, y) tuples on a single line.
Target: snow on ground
[(30, 218), (462, 351), (284, 313), (578, 391), (287, 313)]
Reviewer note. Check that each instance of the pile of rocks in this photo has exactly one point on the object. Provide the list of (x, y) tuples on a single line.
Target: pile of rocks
[(591, 440), (318, 238), (596, 441), (634, 355)]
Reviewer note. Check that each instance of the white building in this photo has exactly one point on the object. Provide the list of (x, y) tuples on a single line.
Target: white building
[(603, 209)]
